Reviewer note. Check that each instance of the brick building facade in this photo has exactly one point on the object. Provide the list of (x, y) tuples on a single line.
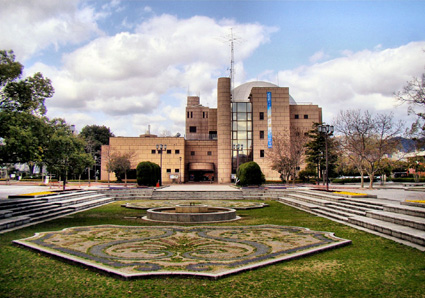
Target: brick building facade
[(217, 140)]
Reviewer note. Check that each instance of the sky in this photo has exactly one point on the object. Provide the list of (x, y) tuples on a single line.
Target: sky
[(132, 63)]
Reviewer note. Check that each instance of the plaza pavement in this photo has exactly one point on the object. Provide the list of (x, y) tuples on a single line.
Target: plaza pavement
[(390, 191)]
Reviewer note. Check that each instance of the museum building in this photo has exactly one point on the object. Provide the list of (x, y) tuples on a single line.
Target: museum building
[(217, 140)]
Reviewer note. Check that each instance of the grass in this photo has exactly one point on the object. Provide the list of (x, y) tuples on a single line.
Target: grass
[(371, 267)]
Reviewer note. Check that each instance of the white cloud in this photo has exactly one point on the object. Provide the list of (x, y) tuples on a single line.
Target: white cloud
[(318, 56), (132, 75), (31, 26), (360, 80)]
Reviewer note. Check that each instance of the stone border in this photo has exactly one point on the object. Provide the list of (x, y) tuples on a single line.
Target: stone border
[(99, 259), (171, 203)]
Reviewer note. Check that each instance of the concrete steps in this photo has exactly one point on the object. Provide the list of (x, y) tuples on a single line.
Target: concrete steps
[(19, 212), (395, 230), (125, 194), (399, 218), (396, 221), (197, 195)]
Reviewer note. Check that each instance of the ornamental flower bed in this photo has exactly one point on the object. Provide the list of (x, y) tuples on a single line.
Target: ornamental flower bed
[(210, 251), (147, 204)]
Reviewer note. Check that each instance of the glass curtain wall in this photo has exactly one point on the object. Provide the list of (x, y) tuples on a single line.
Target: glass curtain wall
[(241, 134)]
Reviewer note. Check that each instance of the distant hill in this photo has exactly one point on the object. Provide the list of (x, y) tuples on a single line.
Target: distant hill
[(409, 145)]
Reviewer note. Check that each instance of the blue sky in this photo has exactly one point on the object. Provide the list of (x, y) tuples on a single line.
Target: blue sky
[(130, 64)]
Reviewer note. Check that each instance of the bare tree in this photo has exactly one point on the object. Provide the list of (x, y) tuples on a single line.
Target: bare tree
[(120, 163), (414, 94), (366, 139), (287, 153)]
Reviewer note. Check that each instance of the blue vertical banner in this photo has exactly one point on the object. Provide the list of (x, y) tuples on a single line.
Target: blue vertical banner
[(269, 120)]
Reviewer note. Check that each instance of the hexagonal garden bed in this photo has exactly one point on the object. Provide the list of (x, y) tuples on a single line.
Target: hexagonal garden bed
[(210, 251)]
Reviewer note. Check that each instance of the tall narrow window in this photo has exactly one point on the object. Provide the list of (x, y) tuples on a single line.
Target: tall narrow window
[(261, 134), (261, 115), (261, 153)]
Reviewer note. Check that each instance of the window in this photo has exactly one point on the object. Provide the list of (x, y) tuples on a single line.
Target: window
[(187, 114), (176, 170), (261, 134), (261, 153), (191, 114), (168, 151), (209, 153), (192, 129), (168, 170), (204, 114), (177, 151), (153, 151), (192, 153), (213, 135), (297, 116), (261, 115), (305, 116)]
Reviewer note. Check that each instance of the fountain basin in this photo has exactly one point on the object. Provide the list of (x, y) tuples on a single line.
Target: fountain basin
[(191, 214)]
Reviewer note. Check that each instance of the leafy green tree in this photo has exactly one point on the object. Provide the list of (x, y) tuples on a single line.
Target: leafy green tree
[(26, 95), (24, 138), (22, 109), (249, 173), (96, 136), (79, 162), (65, 150), (10, 69)]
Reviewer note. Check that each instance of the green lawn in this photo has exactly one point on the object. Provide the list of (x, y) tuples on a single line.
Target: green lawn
[(370, 267)]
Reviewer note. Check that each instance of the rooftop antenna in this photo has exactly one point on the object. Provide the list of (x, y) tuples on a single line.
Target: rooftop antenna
[(231, 38)]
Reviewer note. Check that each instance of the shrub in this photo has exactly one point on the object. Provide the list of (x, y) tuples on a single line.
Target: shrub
[(148, 173), (250, 173)]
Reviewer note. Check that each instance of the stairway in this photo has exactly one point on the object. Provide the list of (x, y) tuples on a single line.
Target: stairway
[(390, 219), (197, 195), (124, 194), (15, 212)]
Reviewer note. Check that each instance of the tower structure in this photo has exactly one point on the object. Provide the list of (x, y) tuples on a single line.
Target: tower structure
[(224, 140)]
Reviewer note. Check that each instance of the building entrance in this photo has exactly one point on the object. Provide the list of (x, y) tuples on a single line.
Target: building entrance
[(201, 172)]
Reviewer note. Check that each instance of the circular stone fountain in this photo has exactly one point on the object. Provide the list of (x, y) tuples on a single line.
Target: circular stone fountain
[(192, 213)]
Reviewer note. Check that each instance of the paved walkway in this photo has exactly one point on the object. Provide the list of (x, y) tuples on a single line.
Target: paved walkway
[(199, 187), (390, 192)]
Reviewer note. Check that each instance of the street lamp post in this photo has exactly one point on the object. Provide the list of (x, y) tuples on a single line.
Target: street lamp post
[(160, 148), (327, 130), (237, 147), (180, 171)]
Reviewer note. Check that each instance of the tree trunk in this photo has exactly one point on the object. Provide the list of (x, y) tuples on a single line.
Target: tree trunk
[(371, 176)]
